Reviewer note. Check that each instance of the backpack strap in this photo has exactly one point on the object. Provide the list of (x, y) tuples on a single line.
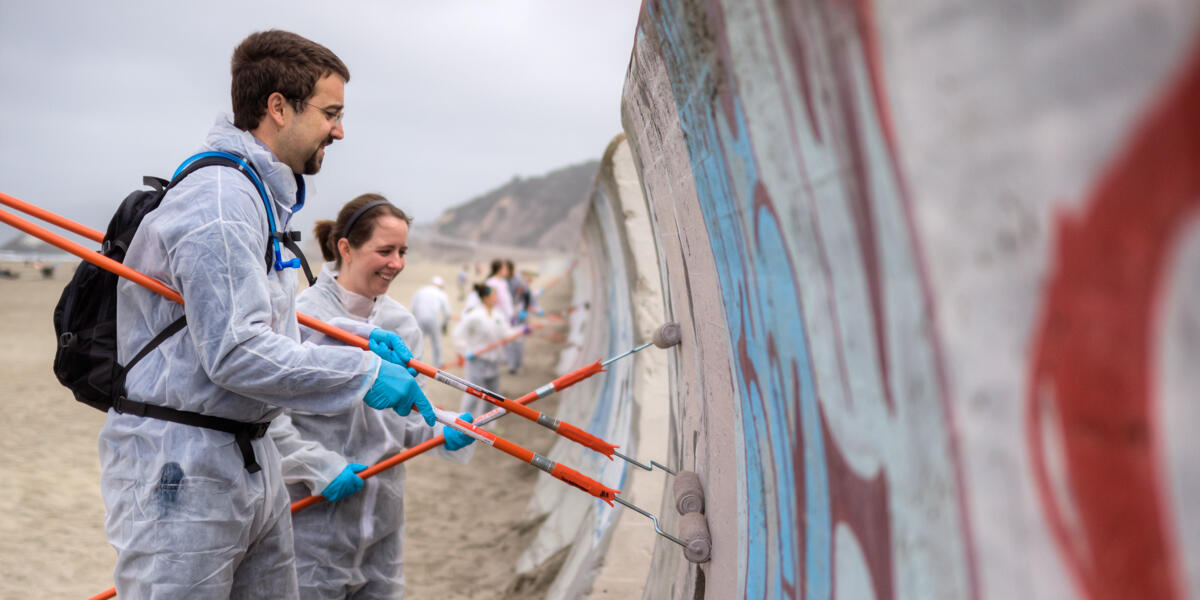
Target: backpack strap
[(158, 183), (228, 159), (243, 433), (289, 239), (225, 159), (162, 336)]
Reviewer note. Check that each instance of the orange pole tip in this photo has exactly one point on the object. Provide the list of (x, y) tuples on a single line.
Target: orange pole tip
[(576, 434), (105, 595), (577, 375), (585, 483)]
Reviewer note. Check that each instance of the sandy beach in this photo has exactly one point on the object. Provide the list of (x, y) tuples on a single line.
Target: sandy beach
[(465, 523)]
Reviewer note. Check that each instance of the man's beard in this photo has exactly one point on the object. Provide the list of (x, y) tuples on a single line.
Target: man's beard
[(313, 164)]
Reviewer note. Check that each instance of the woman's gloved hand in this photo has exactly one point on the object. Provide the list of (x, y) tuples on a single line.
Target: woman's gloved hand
[(390, 347), (346, 483), (394, 388), (455, 439)]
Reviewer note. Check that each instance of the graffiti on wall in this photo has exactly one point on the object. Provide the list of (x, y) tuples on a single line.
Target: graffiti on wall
[(830, 343), (872, 460), (1094, 386)]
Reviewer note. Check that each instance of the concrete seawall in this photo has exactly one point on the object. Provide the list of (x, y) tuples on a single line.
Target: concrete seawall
[(935, 266), (619, 305)]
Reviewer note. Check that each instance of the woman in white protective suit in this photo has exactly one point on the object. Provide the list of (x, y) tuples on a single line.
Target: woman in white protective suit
[(350, 547), (482, 325)]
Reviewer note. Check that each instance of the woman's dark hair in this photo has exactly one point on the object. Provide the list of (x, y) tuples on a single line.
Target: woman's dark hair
[(496, 266), (483, 290), (277, 61), (329, 232)]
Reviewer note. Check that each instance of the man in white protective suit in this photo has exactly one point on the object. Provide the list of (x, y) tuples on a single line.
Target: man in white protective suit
[(195, 500)]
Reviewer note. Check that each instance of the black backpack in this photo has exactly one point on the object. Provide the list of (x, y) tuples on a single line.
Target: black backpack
[(85, 319)]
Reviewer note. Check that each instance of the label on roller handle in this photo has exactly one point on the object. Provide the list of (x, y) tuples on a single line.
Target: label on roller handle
[(469, 429), (462, 386), (451, 381), (490, 416)]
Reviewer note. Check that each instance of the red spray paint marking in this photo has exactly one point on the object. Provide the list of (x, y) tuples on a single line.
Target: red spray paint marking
[(1093, 353), (862, 505)]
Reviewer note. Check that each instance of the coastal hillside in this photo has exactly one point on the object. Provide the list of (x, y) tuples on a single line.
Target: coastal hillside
[(539, 212)]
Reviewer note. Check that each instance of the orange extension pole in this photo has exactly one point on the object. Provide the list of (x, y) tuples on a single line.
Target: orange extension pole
[(564, 429), (458, 362), (557, 385), (567, 430), (559, 471), (52, 218)]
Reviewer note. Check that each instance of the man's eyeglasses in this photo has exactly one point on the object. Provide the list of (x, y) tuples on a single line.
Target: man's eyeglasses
[(334, 116)]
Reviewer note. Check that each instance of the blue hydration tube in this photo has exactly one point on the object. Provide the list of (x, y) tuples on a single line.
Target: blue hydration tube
[(262, 192)]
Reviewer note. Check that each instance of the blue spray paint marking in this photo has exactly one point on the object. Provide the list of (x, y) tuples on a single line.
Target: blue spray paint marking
[(759, 290)]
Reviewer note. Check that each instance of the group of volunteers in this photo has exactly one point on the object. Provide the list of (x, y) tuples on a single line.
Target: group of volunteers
[(249, 412), (495, 310)]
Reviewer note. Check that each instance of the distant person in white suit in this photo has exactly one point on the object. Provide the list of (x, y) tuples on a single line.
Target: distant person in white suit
[(482, 325), (431, 307)]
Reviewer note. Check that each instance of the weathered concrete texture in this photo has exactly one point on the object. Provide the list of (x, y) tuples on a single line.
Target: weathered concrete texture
[(933, 265), (626, 563), (617, 281)]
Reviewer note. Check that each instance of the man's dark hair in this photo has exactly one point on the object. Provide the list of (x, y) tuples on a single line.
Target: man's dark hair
[(277, 61)]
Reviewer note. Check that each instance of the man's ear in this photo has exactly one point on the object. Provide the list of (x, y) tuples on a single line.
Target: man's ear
[(277, 108)]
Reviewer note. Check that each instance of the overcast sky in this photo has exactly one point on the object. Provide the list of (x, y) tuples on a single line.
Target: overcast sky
[(446, 99)]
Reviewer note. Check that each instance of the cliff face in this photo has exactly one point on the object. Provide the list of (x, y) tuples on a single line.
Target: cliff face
[(540, 212)]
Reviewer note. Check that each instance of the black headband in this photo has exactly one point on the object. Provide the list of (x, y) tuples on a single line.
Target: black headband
[(360, 212)]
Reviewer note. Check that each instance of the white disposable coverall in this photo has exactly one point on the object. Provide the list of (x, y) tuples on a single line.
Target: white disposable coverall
[(514, 351), (352, 547), (185, 516), (431, 307), (479, 328), (504, 300)]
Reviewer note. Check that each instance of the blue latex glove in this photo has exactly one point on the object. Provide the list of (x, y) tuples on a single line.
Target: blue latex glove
[(470, 356), (390, 347), (394, 388), (345, 484), (457, 440), (522, 316)]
